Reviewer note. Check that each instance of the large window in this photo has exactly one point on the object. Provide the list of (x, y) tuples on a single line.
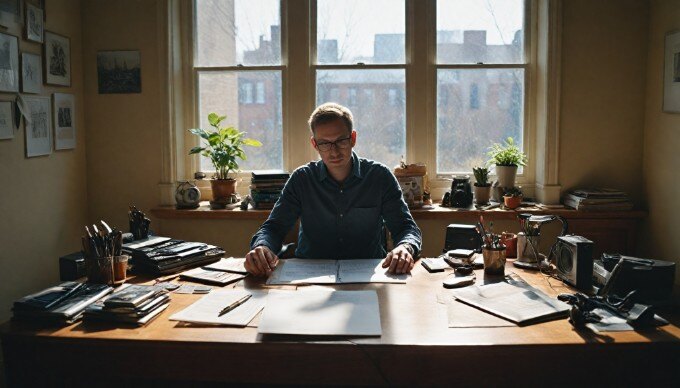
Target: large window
[(469, 63)]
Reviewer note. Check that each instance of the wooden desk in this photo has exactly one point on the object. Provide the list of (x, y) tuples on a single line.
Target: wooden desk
[(416, 347)]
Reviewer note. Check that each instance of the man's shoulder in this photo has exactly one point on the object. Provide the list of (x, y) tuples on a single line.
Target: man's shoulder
[(369, 166), (305, 171)]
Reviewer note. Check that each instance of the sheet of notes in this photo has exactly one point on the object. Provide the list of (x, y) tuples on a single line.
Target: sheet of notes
[(367, 271), (206, 310), (301, 271)]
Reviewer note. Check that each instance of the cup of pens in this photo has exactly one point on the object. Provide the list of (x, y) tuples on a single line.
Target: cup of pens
[(493, 249), (102, 249)]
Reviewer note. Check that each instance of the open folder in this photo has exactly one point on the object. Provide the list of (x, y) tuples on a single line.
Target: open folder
[(315, 271)]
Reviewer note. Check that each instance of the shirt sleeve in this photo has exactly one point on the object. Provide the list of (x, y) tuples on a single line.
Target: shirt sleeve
[(397, 216), (282, 218)]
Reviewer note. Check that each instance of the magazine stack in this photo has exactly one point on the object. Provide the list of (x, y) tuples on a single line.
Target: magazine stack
[(131, 303), (266, 187), (601, 199)]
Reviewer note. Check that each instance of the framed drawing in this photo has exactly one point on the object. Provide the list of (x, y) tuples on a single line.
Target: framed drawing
[(671, 77), (6, 127), (9, 12), (34, 23), (9, 63), (38, 126), (31, 73), (57, 54), (64, 121), (119, 72)]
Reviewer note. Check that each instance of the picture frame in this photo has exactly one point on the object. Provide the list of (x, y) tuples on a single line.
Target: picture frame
[(671, 78), (31, 73), (34, 23), (119, 72), (9, 63), (10, 12), (57, 59), (37, 126), (63, 109), (6, 120)]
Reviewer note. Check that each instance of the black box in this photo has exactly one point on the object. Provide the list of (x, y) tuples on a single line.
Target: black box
[(72, 266), (462, 236)]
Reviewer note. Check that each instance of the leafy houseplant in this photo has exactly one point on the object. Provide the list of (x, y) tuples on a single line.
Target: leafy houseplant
[(513, 197), (507, 157), (482, 187), (223, 146)]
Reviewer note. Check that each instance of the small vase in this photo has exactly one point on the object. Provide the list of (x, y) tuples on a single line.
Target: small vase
[(482, 194), (506, 175)]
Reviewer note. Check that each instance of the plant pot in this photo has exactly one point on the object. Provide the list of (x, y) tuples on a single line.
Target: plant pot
[(512, 202), (222, 189), (482, 194), (506, 175), (510, 242)]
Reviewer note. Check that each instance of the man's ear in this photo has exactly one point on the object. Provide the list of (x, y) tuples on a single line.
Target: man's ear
[(354, 137), (311, 140)]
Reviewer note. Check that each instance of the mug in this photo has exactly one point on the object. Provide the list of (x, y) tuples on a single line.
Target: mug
[(494, 261)]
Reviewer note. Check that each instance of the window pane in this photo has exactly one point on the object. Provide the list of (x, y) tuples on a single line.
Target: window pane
[(354, 31), (252, 102), (473, 31), (231, 32), (380, 125), (476, 108)]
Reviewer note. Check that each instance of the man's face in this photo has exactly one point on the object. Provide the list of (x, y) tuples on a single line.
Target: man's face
[(336, 156)]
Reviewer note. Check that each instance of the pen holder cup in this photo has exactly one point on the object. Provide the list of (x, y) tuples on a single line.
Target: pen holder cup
[(100, 270), (120, 266), (494, 261)]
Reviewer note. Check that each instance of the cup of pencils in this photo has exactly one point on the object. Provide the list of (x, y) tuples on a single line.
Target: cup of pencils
[(100, 246), (493, 249)]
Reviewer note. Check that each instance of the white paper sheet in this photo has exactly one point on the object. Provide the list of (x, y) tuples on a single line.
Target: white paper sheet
[(301, 271), (229, 265), (366, 271), (206, 309), (321, 312)]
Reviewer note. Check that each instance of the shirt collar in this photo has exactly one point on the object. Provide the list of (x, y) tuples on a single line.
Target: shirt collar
[(356, 167)]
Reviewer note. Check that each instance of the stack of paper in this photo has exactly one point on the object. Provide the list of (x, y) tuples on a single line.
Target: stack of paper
[(311, 271)]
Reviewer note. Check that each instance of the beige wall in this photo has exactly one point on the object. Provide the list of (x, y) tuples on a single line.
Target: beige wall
[(604, 52), (44, 199), (661, 156)]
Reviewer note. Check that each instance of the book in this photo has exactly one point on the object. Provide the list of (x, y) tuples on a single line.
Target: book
[(67, 310), (601, 192), (519, 303), (132, 296), (319, 271), (263, 175), (211, 276)]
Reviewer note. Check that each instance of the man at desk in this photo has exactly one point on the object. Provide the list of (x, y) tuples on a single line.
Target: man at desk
[(341, 201)]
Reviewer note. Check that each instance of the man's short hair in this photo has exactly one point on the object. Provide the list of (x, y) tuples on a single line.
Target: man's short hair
[(328, 112)]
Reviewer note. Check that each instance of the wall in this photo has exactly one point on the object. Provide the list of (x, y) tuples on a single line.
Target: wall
[(604, 52), (124, 164), (44, 199), (661, 144)]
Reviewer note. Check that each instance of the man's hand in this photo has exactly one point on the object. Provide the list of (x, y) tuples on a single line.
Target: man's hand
[(399, 260), (261, 261)]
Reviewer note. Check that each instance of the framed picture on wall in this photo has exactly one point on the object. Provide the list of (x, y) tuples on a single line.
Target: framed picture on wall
[(119, 72), (34, 23), (9, 63), (31, 73), (63, 109), (6, 127), (38, 126), (57, 55), (671, 77), (10, 11)]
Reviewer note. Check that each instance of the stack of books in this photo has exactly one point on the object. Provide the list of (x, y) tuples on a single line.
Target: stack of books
[(62, 304), (266, 187), (600, 199), (162, 255), (135, 304)]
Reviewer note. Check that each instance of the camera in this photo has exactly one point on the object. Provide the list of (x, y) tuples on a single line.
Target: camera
[(461, 192)]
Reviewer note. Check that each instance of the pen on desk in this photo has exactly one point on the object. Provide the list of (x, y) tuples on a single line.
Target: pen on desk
[(234, 305)]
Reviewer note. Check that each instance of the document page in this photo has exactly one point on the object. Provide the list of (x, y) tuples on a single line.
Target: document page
[(304, 271), (366, 271), (229, 265), (206, 310), (321, 312), (517, 304)]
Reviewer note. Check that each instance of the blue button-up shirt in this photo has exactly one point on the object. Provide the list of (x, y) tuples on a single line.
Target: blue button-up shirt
[(340, 221)]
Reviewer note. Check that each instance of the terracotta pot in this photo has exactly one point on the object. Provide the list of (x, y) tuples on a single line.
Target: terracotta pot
[(482, 194), (222, 188), (506, 175), (512, 202), (510, 242)]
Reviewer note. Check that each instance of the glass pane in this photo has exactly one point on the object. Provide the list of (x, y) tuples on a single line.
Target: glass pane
[(476, 108), (231, 32), (252, 102), (380, 121), (473, 31), (353, 31)]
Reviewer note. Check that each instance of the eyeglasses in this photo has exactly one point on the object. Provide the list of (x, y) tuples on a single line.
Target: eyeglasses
[(339, 144)]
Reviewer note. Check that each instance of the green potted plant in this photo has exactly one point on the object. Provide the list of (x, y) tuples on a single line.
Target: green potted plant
[(512, 197), (482, 187), (507, 157), (223, 146)]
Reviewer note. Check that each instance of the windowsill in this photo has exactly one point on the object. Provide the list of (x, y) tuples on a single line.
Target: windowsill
[(436, 213)]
